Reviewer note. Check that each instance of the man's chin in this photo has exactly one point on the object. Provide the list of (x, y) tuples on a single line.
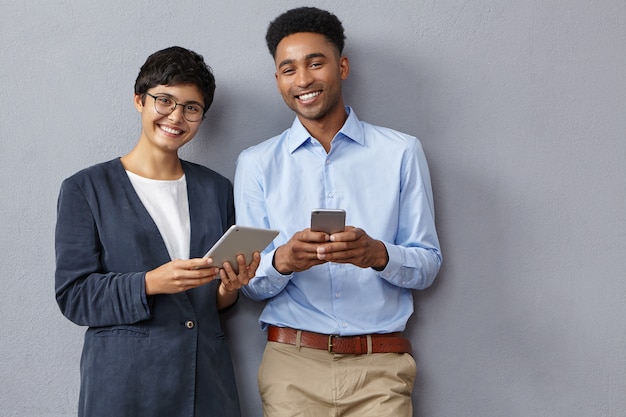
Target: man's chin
[(309, 113)]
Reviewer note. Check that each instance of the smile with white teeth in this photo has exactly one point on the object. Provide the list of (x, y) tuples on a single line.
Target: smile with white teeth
[(309, 96), (170, 130)]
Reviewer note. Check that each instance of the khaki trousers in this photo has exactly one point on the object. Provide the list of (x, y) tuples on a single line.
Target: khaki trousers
[(302, 382)]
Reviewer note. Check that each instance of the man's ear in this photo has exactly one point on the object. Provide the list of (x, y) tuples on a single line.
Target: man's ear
[(344, 67)]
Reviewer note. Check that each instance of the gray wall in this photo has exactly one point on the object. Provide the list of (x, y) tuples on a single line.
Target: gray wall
[(520, 106)]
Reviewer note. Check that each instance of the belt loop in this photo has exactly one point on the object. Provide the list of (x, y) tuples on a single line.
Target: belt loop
[(298, 339), (369, 344)]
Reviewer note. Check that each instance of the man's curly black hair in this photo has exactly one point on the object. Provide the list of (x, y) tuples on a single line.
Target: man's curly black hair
[(305, 19)]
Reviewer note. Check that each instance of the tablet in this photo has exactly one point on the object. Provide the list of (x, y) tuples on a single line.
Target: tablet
[(240, 239)]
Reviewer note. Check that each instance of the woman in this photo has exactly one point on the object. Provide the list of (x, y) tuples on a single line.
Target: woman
[(130, 235)]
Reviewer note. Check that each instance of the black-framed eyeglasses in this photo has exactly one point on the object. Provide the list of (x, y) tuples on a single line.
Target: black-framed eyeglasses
[(165, 105)]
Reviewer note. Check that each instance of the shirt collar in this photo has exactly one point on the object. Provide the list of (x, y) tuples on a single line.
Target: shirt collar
[(351, 129)]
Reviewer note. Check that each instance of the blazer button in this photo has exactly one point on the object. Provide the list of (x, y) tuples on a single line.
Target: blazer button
[(189, 324)]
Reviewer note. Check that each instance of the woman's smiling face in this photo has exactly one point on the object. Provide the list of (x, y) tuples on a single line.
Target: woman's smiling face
[(168, 133)]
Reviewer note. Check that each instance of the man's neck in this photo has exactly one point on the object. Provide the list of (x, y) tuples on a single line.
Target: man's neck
[(325, 129)]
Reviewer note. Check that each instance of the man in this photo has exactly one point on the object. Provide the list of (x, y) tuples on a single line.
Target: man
[(336, 303)]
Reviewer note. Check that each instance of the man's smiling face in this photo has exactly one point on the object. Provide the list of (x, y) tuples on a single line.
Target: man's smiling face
[(309, 71)]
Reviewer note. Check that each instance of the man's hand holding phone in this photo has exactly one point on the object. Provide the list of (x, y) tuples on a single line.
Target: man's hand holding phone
[(354, 246), (347, 244), (329, 240), (300, 252)]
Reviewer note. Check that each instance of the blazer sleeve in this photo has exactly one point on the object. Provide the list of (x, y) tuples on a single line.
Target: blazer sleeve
[(86, 293)]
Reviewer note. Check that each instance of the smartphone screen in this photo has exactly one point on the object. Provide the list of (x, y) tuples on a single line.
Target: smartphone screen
[(328, 220)]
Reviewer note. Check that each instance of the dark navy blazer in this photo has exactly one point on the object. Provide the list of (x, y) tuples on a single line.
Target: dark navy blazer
[(163, 355)]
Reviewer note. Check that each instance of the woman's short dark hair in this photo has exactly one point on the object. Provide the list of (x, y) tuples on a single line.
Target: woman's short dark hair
[(176, 66), (305, 19)]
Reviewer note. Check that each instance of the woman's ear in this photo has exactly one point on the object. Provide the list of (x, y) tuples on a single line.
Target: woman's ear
[(139, 102)]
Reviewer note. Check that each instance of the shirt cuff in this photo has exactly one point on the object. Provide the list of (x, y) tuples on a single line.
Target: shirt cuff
[(267, 265), (392, 269), (269, 281), (144, 296)]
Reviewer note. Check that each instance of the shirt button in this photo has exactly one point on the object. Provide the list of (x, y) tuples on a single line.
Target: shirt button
[(189, 324), (330, 195), (328, 162)]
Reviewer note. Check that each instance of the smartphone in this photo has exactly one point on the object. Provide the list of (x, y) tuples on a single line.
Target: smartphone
[(328, 220)]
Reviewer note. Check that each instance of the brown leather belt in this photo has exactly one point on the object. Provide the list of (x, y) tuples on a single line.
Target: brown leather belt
[(356, 345)]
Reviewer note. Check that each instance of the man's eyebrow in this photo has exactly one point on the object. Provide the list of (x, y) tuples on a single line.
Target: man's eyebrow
[(315, 55), (285, 62), (308, 57)]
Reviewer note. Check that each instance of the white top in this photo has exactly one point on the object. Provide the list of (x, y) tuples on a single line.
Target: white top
[(166, 201)]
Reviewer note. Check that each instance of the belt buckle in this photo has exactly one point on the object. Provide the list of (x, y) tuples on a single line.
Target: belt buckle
[(330, 343)]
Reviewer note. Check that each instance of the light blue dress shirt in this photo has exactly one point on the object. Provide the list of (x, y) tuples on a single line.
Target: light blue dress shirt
[(380, 178)]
